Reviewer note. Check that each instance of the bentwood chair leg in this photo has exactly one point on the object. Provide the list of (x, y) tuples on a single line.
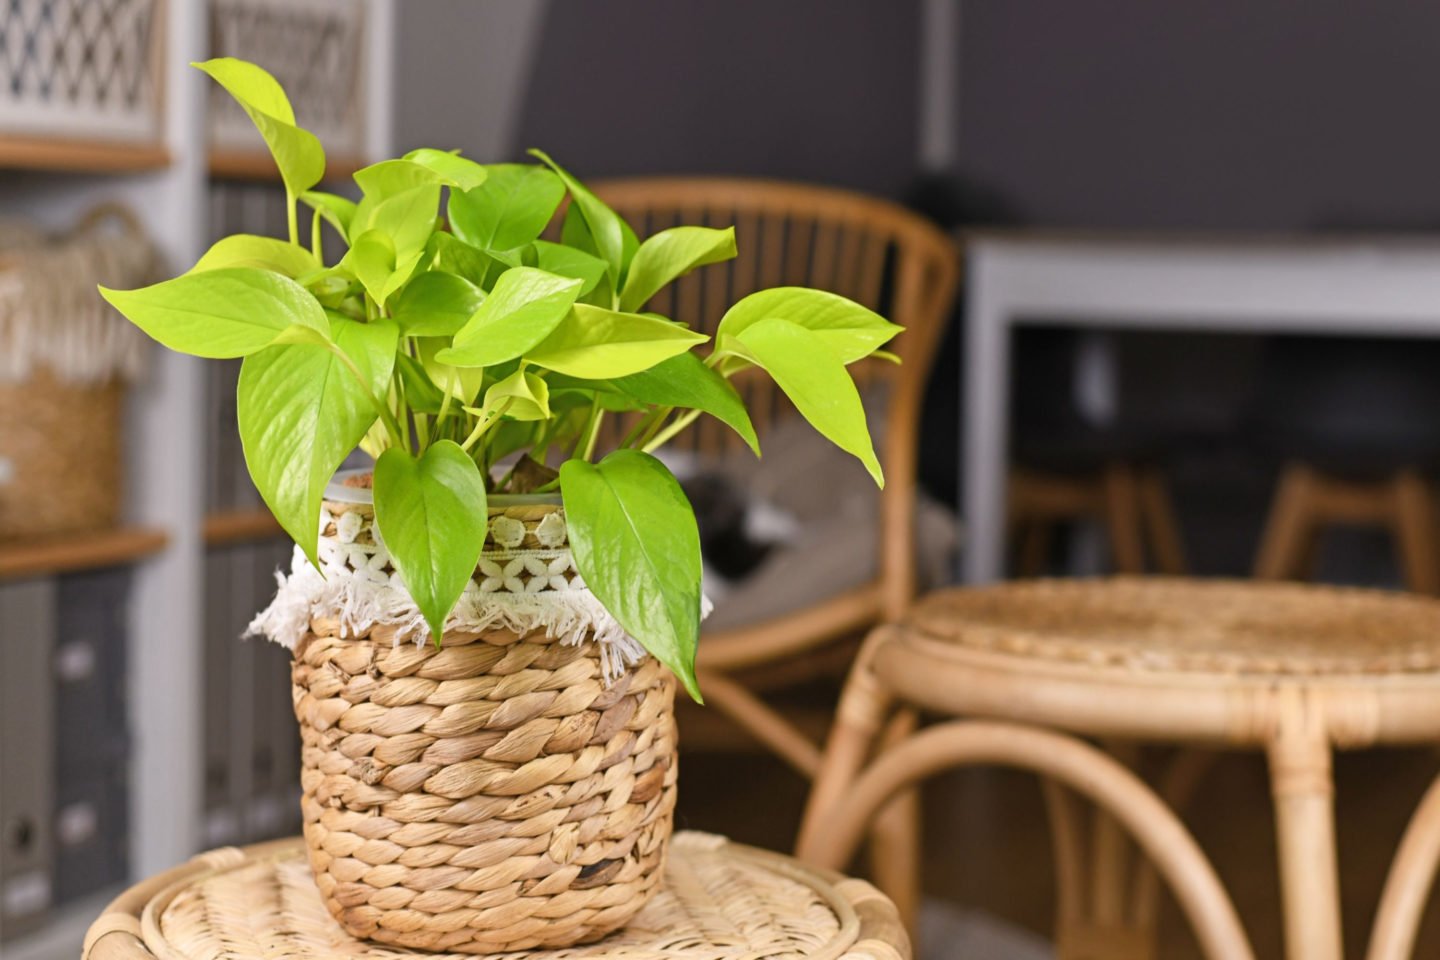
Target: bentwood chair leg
[(1407, 888), (895, 840), (863, 706), (1300, 779), (1069, 762)]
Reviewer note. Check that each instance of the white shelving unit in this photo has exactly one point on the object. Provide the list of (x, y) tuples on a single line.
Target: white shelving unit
[(165, 184)]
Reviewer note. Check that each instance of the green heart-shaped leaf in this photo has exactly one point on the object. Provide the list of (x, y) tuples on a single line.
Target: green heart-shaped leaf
[(850, 330), (511, 208), (636, 544), (297, 152), (520, 396), (609, 236), (671, 254), (525, 305), (814, 377), (598, 344), (225, 313), (435, 304), (431, 513), (263, 253), (569, 262), (301, 411), (685, 381)]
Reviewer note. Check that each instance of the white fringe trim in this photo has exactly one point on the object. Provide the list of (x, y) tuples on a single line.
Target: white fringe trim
[(361, 604)]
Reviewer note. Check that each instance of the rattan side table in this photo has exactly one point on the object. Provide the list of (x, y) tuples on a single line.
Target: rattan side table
[(719, 901), (1030, 668)]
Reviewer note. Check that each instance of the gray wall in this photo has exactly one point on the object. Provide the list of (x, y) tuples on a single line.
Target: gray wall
[(809, 89), (1245, 114)]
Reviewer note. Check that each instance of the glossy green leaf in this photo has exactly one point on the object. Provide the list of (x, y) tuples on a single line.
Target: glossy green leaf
[(371, 258), (301, 412), (460, 173), (524, 307), (606, 229), (225, 313), (521, 396), (464, 383), (297, 152), (850, 330), (671, 254), (407, 217), (570, 262), (685, 381), (435, 304), (338, 211), (510, 209), (814, 377), (599, 344), (431, 513), (444, 252), (263, 253), (635, 541)]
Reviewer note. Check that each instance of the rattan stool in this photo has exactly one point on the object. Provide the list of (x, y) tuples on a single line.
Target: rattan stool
[(719, 901), (1032, 667)]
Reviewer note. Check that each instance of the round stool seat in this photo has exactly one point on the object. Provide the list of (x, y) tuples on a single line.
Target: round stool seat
[(1210, 659), (719, 901)]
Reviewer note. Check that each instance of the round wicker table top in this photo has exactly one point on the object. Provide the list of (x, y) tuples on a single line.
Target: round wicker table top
[(1168, 625), (719, 901)]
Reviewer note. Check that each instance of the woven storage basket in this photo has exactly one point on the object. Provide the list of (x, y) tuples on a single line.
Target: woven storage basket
[(64, 358), (490, 795)]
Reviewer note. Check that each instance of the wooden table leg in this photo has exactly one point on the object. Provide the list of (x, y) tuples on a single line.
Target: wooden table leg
[(1304, 791)]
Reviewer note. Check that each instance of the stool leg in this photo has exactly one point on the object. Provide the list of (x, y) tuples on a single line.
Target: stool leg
[(1122, 518), (1415, 530), (1034, 554), (1301, 782), (895, 841), (1282, 548), (858, 717)]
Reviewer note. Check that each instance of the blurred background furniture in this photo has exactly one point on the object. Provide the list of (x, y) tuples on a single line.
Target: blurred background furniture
[(720, 901), (1028, 669), (1352, 425), (1069, 467), (1361, 286), (856, 563)]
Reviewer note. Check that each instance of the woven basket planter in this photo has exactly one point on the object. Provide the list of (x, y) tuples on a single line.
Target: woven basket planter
[(65, 357), (496, 793)]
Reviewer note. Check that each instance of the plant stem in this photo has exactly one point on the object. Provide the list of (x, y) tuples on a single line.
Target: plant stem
[(316, 246), (450, 379), (392, 427), (291, 216), (585, 443), (665, 435), (486, 422)]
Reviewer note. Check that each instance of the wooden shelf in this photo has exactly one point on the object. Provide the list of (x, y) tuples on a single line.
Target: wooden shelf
[(258, 165), (80, 551), (240, 526), (81, 156)]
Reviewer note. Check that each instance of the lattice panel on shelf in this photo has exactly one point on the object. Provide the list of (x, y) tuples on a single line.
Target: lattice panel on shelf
[(314, 48), (80, 68)]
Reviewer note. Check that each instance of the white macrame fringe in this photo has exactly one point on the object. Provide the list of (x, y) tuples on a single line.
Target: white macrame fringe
[(361, 604)]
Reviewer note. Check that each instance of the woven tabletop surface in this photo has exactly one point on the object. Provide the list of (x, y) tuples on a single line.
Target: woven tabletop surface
[(719, 901), (1178, 625)]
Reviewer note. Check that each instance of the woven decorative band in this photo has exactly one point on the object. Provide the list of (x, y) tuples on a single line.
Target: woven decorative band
[(525, 581), (494, 794)]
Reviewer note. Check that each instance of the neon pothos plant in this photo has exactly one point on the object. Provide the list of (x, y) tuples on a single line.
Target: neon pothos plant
[(465, 353)]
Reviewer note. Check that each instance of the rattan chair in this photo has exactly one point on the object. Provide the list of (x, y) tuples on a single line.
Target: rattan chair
[(1032, 669), (875, 253)]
